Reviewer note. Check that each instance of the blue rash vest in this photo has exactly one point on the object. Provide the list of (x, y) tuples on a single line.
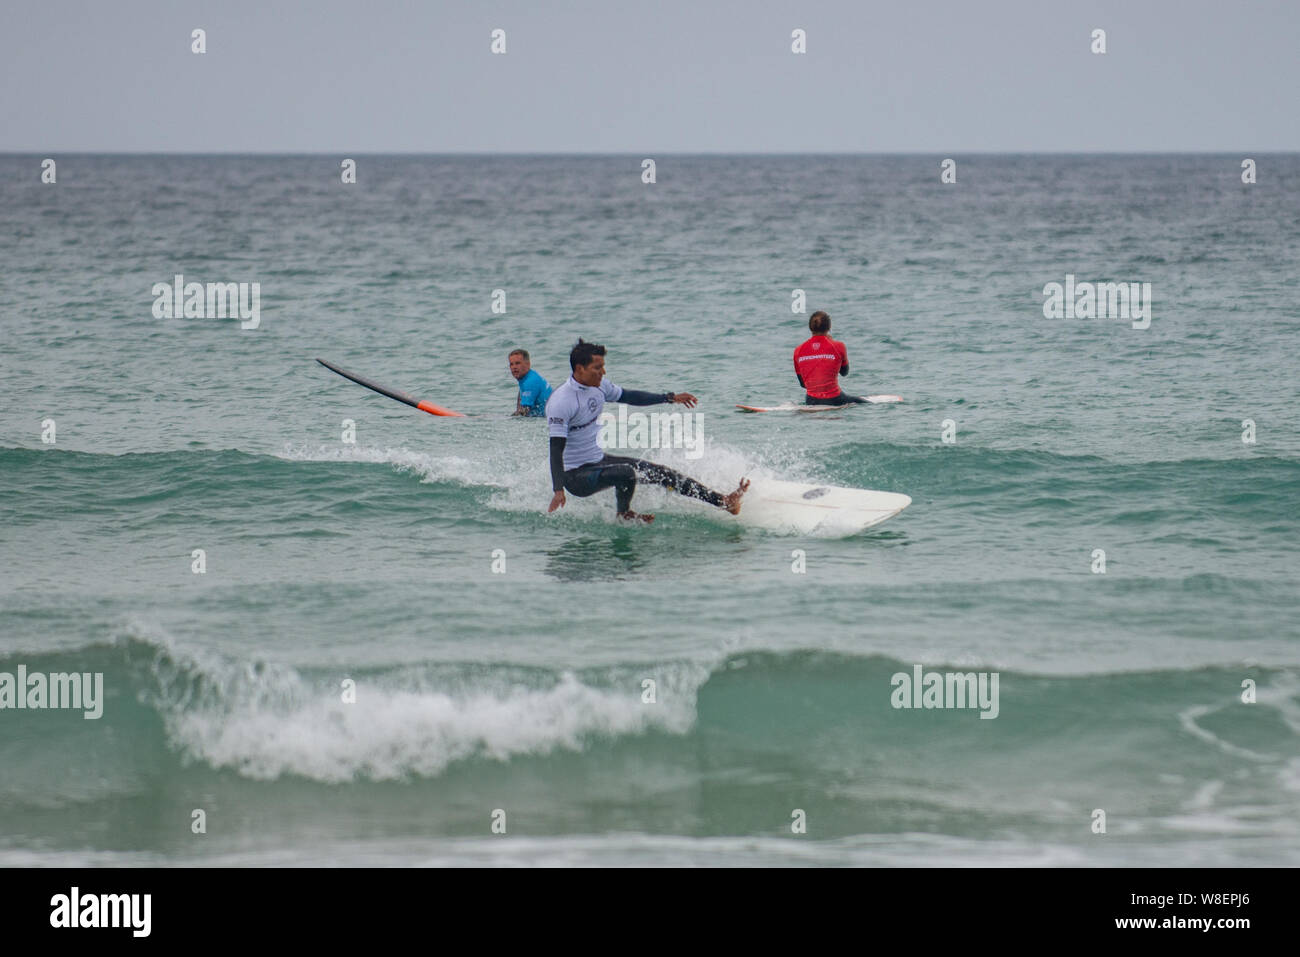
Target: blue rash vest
[(533, 393)]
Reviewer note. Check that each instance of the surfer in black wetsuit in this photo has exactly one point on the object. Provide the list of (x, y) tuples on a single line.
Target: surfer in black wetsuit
[(581, 466)]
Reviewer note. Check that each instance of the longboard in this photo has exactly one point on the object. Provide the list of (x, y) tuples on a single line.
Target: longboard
[(796, 407), (828, 509), (415, 403)]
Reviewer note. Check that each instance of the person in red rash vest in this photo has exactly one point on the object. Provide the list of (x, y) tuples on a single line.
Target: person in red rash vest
[(819, 362)]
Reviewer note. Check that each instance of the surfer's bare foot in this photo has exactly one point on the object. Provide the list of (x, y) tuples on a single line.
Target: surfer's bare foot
[(732, 502), (642, 517)]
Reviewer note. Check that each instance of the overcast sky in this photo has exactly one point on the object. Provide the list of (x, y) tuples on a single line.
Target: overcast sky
[(656, 76)]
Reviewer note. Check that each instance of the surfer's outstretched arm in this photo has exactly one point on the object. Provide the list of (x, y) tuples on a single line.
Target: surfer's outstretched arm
[(637, 397)]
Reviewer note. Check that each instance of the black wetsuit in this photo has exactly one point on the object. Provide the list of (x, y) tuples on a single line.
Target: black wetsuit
[(621, 473), (842, 399)]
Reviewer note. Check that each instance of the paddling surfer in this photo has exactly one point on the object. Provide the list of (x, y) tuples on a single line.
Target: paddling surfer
[(579, 465), (533, 389), (819, 362)]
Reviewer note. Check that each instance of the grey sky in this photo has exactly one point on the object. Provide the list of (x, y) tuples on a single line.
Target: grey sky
[(656, 76)]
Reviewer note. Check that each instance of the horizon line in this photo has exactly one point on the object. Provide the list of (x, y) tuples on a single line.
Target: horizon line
[(623, 153)]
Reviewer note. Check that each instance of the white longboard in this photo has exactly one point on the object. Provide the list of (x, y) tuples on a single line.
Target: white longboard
[(823, 509), (796, 407)]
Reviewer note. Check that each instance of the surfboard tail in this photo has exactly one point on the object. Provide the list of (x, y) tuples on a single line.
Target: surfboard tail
[(438, 410)]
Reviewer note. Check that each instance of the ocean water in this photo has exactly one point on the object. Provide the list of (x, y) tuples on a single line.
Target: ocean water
[(520, 695)]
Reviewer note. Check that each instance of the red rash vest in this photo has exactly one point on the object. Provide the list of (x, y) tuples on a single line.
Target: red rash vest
[(819, 361)]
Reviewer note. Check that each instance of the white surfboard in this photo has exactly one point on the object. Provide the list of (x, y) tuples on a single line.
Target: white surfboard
[(799, 407), (816, 509)]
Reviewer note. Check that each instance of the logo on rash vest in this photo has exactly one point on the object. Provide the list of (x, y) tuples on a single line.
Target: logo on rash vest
[(591, 404)]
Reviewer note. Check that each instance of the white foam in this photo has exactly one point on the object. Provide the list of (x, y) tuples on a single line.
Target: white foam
[(272, 723), (635, 849), (523, 477), (430, 468)]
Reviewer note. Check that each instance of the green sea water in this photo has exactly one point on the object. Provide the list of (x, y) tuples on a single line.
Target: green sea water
[(680, 693)]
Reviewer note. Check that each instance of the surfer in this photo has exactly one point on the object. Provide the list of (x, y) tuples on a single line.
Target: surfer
[(533, 389), (819, 362), (578, 463)]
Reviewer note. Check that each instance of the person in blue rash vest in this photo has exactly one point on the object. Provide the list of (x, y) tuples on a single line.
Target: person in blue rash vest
[(577, 462), (533, 390)]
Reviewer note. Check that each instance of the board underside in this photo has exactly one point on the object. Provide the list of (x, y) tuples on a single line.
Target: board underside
[(795, 507)]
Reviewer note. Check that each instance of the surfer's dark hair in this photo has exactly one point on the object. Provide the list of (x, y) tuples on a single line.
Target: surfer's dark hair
[(820, 323), (583, 353), (519, 352)]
